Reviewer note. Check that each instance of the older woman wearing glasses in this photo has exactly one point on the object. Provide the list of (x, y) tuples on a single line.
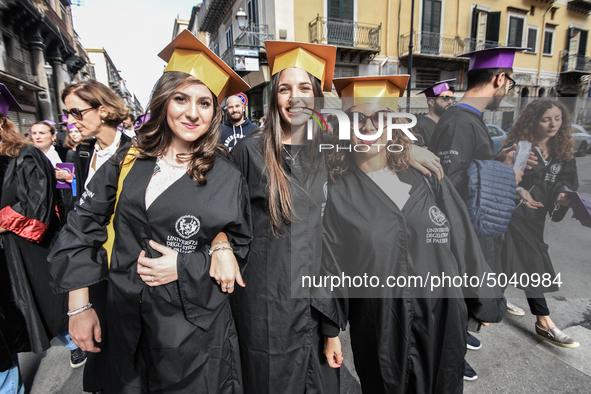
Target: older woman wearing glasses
[(96, 112)]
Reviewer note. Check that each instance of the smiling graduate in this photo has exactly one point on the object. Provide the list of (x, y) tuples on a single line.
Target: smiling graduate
[(170, 326)]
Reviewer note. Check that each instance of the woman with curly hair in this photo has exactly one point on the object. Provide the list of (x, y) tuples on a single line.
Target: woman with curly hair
[(386, 220), (546, 124), (170, 328)]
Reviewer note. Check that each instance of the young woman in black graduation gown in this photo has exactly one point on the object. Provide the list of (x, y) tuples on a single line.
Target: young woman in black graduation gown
[(546, 124), (384, 219), (170, 326), (288, 338)]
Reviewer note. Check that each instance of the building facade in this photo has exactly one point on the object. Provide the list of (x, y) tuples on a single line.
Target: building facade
[(102, 68), (375, 38), (39, 54)]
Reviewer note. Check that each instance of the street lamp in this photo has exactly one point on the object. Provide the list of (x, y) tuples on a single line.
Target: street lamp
[(241, 17)]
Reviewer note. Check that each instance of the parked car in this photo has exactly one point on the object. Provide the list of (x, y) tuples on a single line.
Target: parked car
[(497, 135), (581, 140)]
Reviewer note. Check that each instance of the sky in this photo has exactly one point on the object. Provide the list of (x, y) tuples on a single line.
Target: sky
[(132, 32)]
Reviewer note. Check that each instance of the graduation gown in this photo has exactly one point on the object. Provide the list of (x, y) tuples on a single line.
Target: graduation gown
[(525, 250), (404, 339), (460, 137), (425, 128), (178, 337), (13, 328), (28, 212), (281, 343)]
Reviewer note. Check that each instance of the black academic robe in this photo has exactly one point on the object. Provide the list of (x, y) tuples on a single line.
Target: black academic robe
[(281, 343), (460, 137), (425, 128), (28, 212), (13, 327), (406, 339), (178, 337), (525, 251)]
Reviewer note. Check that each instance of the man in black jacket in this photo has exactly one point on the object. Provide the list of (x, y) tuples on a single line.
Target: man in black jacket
[(462, 136), (236, 126)]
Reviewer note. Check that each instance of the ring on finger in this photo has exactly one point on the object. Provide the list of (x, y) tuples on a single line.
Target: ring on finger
[(153, 279), (229, 287)]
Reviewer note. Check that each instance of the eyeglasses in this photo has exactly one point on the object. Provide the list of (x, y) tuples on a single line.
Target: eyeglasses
[(447, 98), (76, 113), (362, 119), (512, 82)]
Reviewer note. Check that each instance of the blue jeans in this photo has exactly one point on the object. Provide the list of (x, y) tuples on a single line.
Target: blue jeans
[(67, 341), (10, 380)]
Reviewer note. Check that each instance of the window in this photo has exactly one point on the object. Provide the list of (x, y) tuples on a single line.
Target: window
[(340, 9), (532, 39), (515, 33), (253, 15), (229, 38), (548, 41), (64, 13), (8, 46), (216, 49), (426, 78)]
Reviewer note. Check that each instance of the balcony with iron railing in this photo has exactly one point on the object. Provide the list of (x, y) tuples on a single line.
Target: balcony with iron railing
[(574, 63), (435, 44), (252, 37), (346, 34)]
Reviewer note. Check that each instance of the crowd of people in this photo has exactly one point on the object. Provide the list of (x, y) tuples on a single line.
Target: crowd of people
[(167, 252)]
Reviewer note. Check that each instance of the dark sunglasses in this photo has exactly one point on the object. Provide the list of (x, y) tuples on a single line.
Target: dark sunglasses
[(447, 98), (76, 113), (362, 119)]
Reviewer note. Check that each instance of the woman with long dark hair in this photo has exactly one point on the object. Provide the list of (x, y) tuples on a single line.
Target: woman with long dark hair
[(288, 338), (546, 124), (170, 326)]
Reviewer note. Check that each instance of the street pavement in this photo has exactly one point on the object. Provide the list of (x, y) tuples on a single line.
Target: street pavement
[(512, 358)]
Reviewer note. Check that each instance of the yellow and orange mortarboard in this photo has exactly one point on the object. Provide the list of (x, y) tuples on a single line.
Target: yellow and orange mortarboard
[(316, 59), (186, 53), (380, 89)]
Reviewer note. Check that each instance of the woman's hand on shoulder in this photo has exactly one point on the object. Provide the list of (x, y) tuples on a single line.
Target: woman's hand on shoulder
[(425, 161), (158, 271)]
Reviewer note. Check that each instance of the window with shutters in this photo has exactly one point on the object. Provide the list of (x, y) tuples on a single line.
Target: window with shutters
[(431, 27), (485, 29), (515, 31), (253, 14), (340, 9), (548, 41), (532, 39), (340, 28), (426, 78), (229, 38)]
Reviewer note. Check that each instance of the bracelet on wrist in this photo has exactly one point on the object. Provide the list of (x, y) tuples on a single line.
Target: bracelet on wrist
[(211, 251), (221, 242), (79, 310)]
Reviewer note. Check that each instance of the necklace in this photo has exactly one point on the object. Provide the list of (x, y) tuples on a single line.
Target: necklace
[(183, 165), (289, 154)]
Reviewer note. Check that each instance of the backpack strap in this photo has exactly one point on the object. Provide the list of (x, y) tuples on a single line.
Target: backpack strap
[(128, 161)]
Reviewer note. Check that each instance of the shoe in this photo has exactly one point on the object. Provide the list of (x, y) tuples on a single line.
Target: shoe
[(77, 358), (514, 310), (556, 337), (469, 372), (473, 343)]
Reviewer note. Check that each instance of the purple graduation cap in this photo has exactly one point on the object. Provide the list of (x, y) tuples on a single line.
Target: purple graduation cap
[(437, 88), (51, 122), (7, 101), (501, 57), (141, 120), (64, 119), (581, 206)]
